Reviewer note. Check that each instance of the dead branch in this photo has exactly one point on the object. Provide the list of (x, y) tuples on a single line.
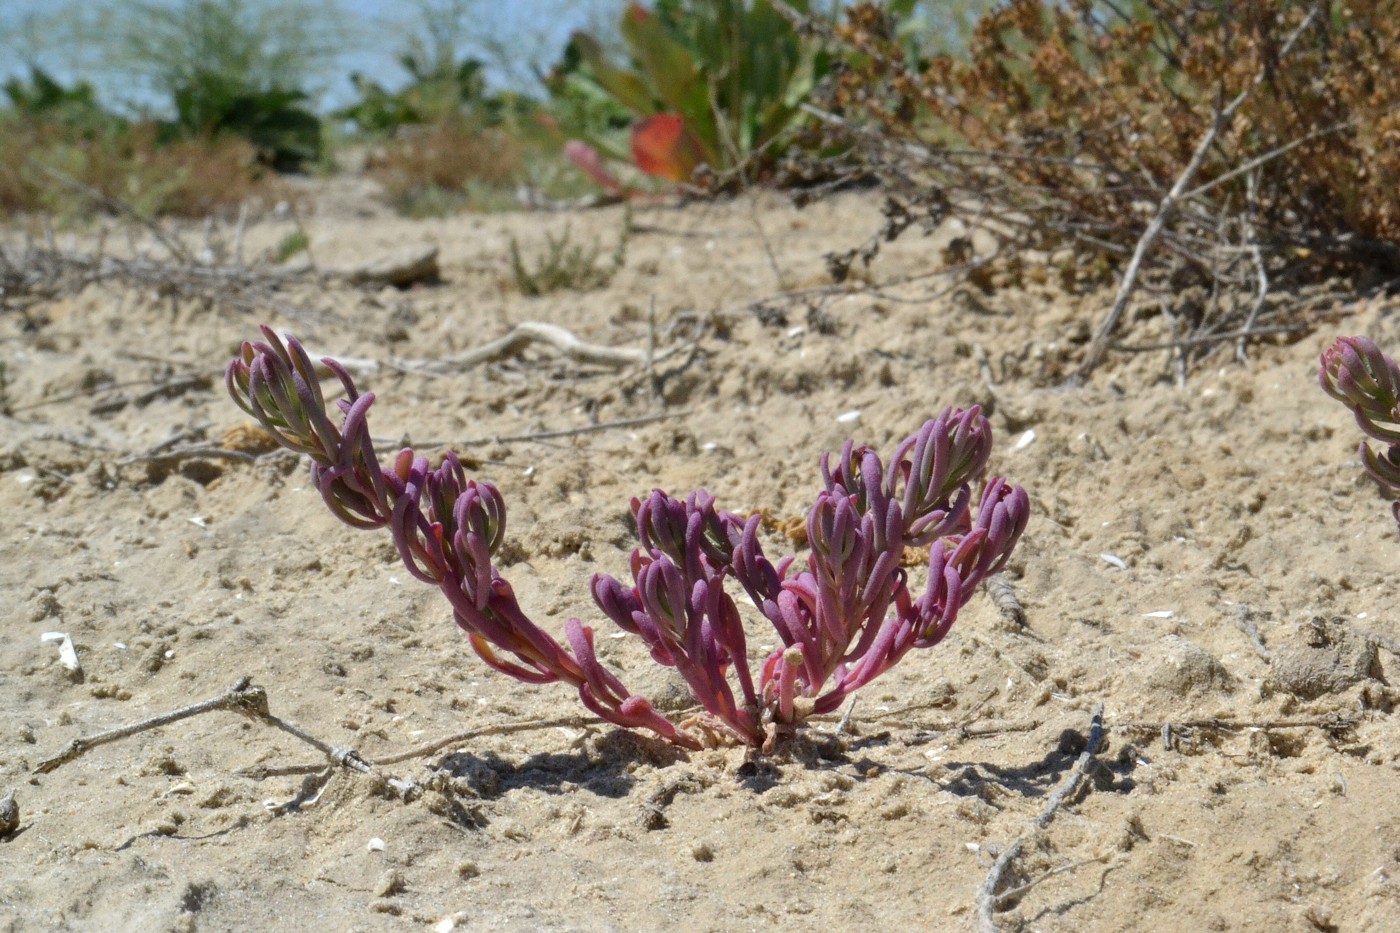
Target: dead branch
[(1016, 893), (988, 898), (1251, 630), (524, 335), (1336, 722), (510, 728), (574, 432), (1069, 204), (423, 751), (39, 274), (1201, 340), (1099, 345), (242, 698), (535, 436), (197, 452)]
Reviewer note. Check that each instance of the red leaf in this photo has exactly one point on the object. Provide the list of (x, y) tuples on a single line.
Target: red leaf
[(664, 147)]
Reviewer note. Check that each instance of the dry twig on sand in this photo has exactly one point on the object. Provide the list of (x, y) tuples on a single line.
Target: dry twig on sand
[(527, 333), (1335, 725), (989, 899), (432, 748), (38, 274), (250, 701)]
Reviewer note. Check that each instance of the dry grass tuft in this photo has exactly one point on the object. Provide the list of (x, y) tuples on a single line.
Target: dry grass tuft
[(430, 170)]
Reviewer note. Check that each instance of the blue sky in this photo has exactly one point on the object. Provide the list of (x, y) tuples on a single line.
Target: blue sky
[(528, 30)]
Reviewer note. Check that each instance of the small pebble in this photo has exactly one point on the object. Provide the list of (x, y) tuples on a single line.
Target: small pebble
[(389, 884), (9, 814)]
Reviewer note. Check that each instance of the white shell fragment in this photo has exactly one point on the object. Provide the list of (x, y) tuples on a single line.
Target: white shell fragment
[(67, 654), (1159, 614), (848, 417), (1115, 560), (199, 520), (375, 845), (1025, 440)]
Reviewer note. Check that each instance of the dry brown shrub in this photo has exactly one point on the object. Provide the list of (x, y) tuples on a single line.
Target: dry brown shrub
[(1067, 124), (215, 175), (45, 167), (429, 169)]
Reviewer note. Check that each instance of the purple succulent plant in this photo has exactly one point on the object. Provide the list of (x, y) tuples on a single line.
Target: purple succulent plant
[(1356, 373), (846, 618)]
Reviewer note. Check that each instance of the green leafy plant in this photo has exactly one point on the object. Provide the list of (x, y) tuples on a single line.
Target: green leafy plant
[(716, 83)]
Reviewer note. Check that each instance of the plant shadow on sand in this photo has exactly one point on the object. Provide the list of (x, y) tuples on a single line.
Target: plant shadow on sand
[(604, 768), (1038, 778)]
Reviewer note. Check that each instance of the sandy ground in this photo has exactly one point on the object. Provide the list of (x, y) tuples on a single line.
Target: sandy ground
[(1167, 522)]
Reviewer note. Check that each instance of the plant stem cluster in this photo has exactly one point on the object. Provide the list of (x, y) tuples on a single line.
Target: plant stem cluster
[(845, 617)]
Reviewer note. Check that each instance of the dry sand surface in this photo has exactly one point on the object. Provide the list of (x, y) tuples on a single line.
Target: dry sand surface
[(1208, 556)]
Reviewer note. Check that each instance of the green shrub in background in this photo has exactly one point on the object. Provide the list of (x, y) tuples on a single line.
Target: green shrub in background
[(434, 92), (41, 99), (275, 120), (445, 138), (243, 68)]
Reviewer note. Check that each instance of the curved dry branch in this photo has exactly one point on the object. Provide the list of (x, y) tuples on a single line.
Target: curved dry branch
[(988, 898), (527, 333)]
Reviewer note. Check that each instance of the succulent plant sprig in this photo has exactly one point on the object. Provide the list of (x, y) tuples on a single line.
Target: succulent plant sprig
[(1356, 373), (843, 620)]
